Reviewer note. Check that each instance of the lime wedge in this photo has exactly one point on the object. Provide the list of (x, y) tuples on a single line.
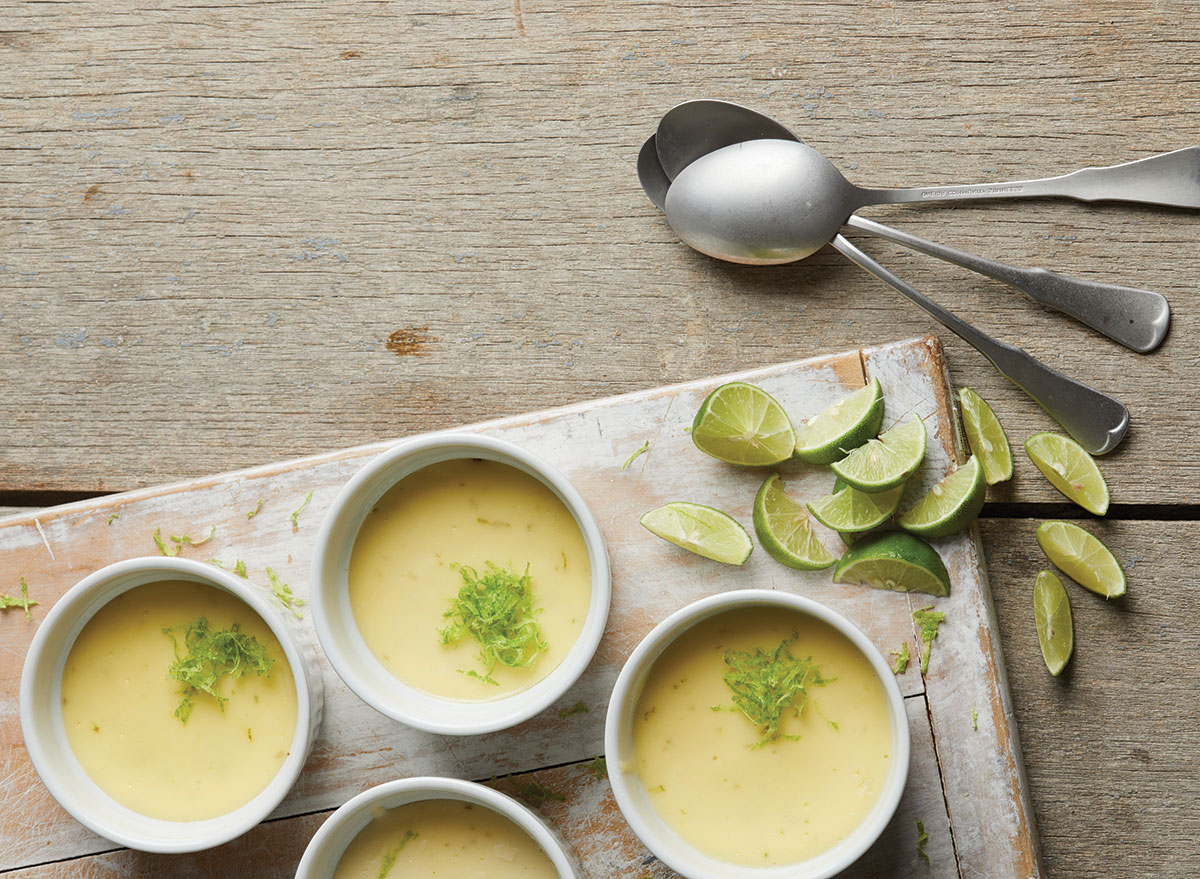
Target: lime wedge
[(702, 530), (894, 560), (885, 462), (841, 428), (741, 424), (949, 506), (1081, 556), (986, 437), (1052, 615), (849, 509), (1070, 469), (784, 531)]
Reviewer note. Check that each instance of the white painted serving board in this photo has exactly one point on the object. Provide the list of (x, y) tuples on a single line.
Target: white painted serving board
[(967, 783)]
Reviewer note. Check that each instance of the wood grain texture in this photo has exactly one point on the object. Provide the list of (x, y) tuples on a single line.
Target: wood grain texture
[(218, 217), (977, 772)]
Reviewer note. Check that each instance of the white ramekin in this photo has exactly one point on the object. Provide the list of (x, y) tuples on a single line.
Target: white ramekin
[(329, 843), (341, 640), (46, 737), (633, 801)]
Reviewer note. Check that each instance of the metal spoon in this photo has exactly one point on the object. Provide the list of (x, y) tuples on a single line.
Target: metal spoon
[(742, 210), (696, 128), (1096, 420)]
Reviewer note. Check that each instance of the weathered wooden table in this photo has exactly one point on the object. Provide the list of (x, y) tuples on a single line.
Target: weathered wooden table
[(237, 233)]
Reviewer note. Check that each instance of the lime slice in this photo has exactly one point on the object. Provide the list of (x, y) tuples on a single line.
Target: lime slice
[(784, 531), (894, 560), (702, 530), (949, 506), (1052, 615), (1070, 469), (1081, 556), (986, 437), (849, 509), (844, 426), (741, 424), (885, 462)]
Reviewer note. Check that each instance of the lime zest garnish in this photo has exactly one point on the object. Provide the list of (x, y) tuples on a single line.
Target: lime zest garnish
[(496, 609), (162, 544), (641, 450), (180, 541), (765, 683), (900, 666), (577, 708), (254, 512), (922, 840), (113, 516), (295, 517), (389, 857), (597, 768), (210, 657), (7, 601), (282, 592), (532, 792), (928, 620), (974, 719)]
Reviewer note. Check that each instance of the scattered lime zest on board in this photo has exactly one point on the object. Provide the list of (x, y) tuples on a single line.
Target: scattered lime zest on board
[(282, 592), (986, 437), (1052, 616), (784, 530), (162, 544), (496, 609), (849, 510), (703, 530), (974, 718), (922, 841), (597, 768), (895, 561), (900, 666), (765, 683), (532, 792), (1070, 469), (389, 857), (950, 506), (254, 512), (577, 708), (9, 601), (295, 517), (112, 517), (742, 424), (885, 462), (844, 426), (210, 656), (641, 450), (186, 539), (1083, 557), (927, 620)]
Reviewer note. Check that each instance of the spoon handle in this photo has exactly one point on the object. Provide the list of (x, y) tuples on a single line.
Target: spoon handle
[(1137, 319), (1096, 420), (1171, 179)]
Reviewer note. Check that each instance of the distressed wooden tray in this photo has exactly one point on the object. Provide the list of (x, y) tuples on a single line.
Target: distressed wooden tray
[(967, 782)]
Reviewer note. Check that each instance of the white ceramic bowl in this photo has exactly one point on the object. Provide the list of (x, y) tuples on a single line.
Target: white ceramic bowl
[(329, 843), (46, 738), (632, 798), (343, 643)]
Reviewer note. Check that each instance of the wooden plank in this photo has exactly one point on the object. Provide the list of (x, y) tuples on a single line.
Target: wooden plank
[(219, 215), (587, 816)]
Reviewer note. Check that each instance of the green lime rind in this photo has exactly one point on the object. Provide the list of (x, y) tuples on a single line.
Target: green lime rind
[(1083, 557), (849, 510), (896, 561), (784, 530), (986, 437), (1070, 469), (844, 426), (885, 462), (742, 424), (703, 530), (951, 505), (1052, 616)]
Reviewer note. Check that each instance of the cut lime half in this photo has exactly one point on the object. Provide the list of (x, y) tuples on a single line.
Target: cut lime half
[(841, 428), (1052, 616), (894, 560), (783, 529), (885, 462), (702, 530), (986, 437), (850, 510), (949, 506), (743, 424), (1070, 469), (1083, 557)]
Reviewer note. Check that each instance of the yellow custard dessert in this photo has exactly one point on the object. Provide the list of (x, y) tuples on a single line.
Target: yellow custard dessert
[(458, 522), (444, 838), (156, 744), (737, 777)]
